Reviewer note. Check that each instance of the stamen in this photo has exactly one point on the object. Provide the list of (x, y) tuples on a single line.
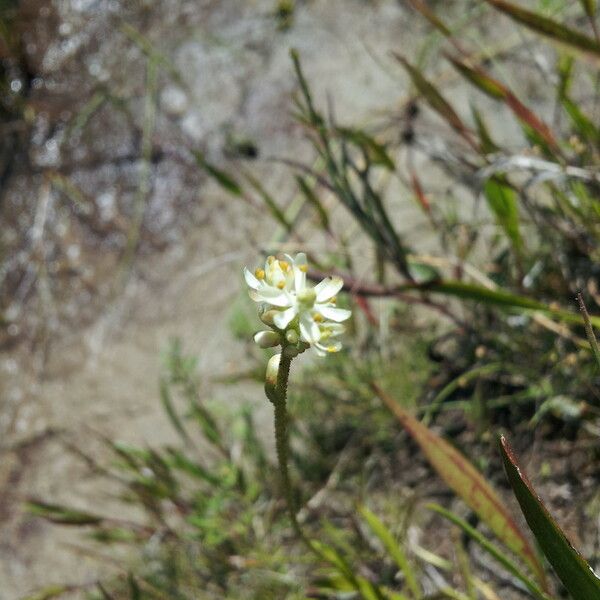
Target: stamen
[(281, 285), (259, 273), (318, 318), (333, 300), (303, 268), (332, 348), (270, 259), (285, 265)]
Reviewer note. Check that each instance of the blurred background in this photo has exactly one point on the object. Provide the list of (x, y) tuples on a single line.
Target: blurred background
[(151, 149)]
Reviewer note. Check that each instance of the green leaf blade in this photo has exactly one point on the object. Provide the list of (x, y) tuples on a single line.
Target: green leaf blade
[(575, 573), (468, 483)]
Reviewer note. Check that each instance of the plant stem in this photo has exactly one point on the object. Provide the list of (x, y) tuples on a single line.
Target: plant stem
[(279, 399)]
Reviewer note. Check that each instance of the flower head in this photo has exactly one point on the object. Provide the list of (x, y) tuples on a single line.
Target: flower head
[(290, 306)]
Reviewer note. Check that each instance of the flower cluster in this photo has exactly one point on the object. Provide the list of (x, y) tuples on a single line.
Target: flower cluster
[(299, 315)]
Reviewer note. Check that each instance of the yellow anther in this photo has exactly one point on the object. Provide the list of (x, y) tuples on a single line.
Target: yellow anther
[(303, 268), (318, 318), (270, 259), (333, 300), (284, 265), (281, 285), (259, 273), (332, 348)]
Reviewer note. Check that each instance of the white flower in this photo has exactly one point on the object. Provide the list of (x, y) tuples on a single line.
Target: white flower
[(290, 305)]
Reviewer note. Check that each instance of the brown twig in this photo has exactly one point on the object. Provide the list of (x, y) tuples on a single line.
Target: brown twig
[(374, 290)]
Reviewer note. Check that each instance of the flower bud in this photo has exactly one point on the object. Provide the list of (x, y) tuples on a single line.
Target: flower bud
[(267, 339), (291, 336), (291, 351), (267, 316), (272, 370)]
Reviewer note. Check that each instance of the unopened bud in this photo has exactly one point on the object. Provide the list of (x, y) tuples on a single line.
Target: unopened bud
[(291, 336), (272, 370), (267, 316), (291, 351), (267, 339)]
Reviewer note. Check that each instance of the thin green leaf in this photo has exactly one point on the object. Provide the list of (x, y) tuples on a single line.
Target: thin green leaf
[(589, 330), (167, 402), (492, 550), (421, 7), (479, 293), (310, 196), (435, 99), (376, 151), (272, 205), (549, 28), (61, 514), (466, 481), (498, 91), (575, 573), (134, 589), (52, 591), (366, 589), (226, 181), (589, 6), (179, 461), (502, 201), (394, 550), (486, 143)]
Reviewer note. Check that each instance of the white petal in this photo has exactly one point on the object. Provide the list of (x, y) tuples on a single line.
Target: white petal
[(300, 259), (272, 296), (283, 318), (309, 330), (252, 282), (300, 266), (318, 348), (335, 314), (335, 328), (328, 288), (329, 348)]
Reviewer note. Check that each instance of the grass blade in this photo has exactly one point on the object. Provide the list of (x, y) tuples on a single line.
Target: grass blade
[(435, 99), (502, 201), (492, 550), (574, 572), (393, 549), (61, 514), (466, 481), (498, 91), (589, 331), (226, 181), (549, 28)]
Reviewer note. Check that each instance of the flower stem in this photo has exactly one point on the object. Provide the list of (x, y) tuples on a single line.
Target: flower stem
[(279, 399)]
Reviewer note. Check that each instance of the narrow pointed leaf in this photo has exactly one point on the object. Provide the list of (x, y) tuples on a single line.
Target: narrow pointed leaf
[(61, 514), (393, 548), (502, 201), (435, 99), (226, 181), (575, 573), (468, 483), (52, 591), (492, 550), (497, 90), (549, 28)]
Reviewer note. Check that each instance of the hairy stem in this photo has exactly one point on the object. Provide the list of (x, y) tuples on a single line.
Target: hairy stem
[(279, 398)]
